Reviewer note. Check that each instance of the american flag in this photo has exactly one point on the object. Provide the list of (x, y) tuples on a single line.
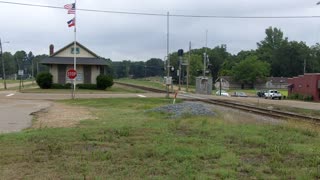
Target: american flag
[(71, 8)]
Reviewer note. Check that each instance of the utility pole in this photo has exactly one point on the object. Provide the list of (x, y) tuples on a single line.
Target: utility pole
[(37, 68), (3, 68), (188, 66), (32, 70), (205, 56), (180, 62), (168, 57), (304, 65), (145, 70)]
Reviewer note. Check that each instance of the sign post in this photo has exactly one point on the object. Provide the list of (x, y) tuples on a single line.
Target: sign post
[(72, 74), (20, 73)]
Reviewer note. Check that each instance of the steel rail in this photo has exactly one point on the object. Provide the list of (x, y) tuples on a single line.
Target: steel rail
[(142, 87), (251, 109)]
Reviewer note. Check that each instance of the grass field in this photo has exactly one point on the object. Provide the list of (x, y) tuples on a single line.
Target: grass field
[(125, 142), (15, 81), (155, 82)]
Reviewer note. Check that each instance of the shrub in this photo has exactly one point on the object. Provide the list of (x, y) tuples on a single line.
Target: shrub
[(104, 81), (308, 98), (61, 86), (301, 97), (86, 86), (44, 80)]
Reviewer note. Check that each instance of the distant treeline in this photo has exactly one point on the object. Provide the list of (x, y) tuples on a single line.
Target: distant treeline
[(20, 60), (275, 56)]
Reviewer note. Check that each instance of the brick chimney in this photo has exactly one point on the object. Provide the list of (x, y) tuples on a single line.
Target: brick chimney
[(51, 49)]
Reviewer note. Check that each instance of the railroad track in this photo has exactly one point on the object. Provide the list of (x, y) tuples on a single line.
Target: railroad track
[(257, 110), (234, 105), (142, 87)]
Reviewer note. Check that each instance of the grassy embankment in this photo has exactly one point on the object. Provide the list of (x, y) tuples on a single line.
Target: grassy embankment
[(125, 142)]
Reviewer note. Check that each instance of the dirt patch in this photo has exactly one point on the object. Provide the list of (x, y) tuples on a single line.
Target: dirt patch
[(61, 115)]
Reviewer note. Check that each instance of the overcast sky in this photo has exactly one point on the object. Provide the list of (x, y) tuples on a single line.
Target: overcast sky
[(133, 37)]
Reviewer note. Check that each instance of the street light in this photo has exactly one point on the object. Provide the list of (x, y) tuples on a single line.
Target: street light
[(3, 68)]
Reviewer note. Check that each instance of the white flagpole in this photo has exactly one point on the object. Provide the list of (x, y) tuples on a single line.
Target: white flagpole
[(75, 50)]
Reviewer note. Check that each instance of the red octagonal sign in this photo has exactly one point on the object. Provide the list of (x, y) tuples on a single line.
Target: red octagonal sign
[(71, 73)]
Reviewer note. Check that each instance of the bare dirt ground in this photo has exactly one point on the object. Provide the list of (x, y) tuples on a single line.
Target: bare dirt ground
[(61, 115)]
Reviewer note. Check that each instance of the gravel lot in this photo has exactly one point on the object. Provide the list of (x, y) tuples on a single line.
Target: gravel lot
[(202, 109), (186, 108)]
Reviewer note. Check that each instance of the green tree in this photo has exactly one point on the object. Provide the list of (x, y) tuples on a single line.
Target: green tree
[(9, 64), (121, 69), (154, 67), (250, 70), (20, 58), (39, 67), (273, 41), (313, 60), (290, 59), (195, 66), (227, 65), (217, 56), (138, 69)]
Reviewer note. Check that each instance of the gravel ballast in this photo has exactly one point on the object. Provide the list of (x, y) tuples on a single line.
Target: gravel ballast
[(185, 108)]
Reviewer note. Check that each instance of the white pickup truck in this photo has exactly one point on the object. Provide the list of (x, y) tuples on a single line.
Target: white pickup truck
[(273, 94)]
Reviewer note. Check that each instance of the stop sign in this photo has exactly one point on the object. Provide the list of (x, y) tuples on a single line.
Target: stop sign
[(71, 73)]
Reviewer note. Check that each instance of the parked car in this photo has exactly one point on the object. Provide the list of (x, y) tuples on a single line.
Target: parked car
[(273, 94), (261, 93), (223, 93), (239, 94)]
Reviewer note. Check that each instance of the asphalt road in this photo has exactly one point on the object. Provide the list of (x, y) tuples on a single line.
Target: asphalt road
[(15, 114)]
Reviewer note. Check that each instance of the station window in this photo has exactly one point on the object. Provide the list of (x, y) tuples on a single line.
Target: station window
[(77, 50)]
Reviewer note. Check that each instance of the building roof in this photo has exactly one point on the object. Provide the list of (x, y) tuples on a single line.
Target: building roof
[(278, 79), (78, 44), (69, 60)]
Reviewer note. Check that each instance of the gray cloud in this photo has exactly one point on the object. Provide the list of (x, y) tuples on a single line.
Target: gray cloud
[(120, 37)]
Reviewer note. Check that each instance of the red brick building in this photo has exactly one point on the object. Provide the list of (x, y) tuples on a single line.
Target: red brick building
[(306, 85)]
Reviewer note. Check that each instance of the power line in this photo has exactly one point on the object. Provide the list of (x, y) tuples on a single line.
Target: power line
[(160, 14)]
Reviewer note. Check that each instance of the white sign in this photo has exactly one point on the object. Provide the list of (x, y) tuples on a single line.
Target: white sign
[(20, 72), (168, 81)]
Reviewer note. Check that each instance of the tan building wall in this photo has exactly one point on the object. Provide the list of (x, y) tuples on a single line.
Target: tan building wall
[(95, 72), (67, 53), (54, 72)]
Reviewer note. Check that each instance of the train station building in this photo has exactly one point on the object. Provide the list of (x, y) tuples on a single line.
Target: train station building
[(307, 85), (89, 64)]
